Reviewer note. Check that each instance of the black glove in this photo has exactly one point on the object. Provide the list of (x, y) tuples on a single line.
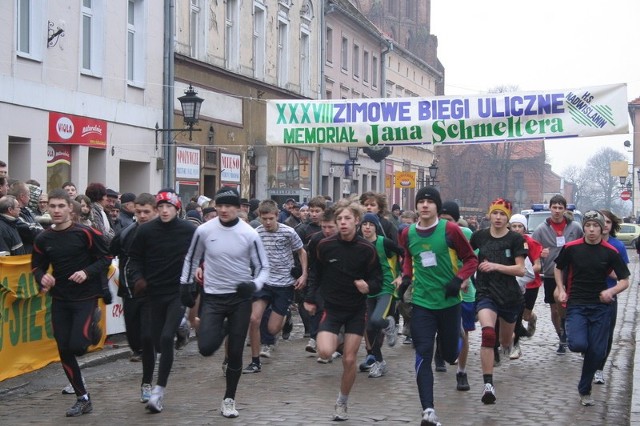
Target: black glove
[(188, 294), (246, 289), (453, 288), (106, 296), (402, 289)]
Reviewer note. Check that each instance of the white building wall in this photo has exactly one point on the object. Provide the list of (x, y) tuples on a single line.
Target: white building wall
[(54, 82)]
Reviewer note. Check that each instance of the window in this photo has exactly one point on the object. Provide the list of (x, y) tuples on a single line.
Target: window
[(305, 64), (365, 67), (374, 72), (194, 27), (283, 53), (329, 46), (135, 43), (232, 35), (259, 41), (408, 8), (30, 26), (92, 37), (344, 54), (356, 61)]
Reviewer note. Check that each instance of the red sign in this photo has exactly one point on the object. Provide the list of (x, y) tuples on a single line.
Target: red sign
[(625, 195), (75, 130)]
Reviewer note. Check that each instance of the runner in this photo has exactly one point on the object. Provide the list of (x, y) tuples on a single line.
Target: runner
[(582, 268), (433, 248), (79, 259), (155, 262), (235, 266), (501, 254), (280, 242), (346, 269)]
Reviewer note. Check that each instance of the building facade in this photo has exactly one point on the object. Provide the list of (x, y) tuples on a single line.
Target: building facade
[(80, 92)]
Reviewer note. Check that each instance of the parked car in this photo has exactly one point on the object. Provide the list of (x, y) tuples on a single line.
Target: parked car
[(629, 233)]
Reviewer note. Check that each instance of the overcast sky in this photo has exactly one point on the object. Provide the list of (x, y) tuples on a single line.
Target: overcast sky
[(541, 45)]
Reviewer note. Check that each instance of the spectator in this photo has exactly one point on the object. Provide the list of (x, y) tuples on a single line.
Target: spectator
[(10, 241), (28, 227), (70, 187), (4, 186), (97, 194), (4, 169), (127, 209)]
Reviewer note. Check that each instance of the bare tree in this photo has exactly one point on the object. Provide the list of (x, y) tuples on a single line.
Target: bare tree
[(600, 188)]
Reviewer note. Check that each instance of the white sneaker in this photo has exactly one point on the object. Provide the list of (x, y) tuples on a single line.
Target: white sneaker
[(145, 392), (265, 351), (228, 408), (587, 401), (341, 413), (311, 347), (155, 402), (378, 369), (516, 352), (391, 332), (68, 390), (324, 361), (429, 418), (488, 394), (598, 378)]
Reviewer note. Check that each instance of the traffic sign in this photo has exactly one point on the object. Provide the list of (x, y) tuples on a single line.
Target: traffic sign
[(625, 195)]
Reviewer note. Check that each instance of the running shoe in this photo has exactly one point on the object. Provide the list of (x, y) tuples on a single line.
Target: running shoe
[(82, 406), (265, 351), (312, 346), (96, 331), (68, 390), (336, 354), (145, 392), (225, 364), (155, 402), (488, 394), (136, 357), (516, 352), (598, 378), (228, 408), (562, 349), (429, 418), (367, 363), (378, 369), (252, 368), (391, 332), (408, 340), (288, 327), (341, 413), (531, 327), (462, 384), (324, 360), (586, 400), (496, 357), (440, 365), (183, 334)]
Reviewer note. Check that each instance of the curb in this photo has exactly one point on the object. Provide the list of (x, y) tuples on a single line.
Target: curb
[(104, 356), (634, 409)]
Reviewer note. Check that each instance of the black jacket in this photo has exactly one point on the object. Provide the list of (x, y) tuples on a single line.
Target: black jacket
[(9, 237)]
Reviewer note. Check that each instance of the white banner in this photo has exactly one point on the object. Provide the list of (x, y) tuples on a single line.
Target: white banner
[(115, 311), (229, 167), (187, 163), (494, 117)]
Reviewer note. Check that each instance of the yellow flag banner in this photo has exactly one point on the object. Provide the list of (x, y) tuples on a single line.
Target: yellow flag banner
[(26, 335)]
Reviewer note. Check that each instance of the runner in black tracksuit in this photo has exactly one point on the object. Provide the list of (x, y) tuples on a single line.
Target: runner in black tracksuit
[(155, 264)]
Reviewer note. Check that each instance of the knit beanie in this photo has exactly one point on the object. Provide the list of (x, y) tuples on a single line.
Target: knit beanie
[(502, 205), (519, 218), (168, 195), (372, 218), (430, 193), (593, 216), (451, 208), (227, 195)]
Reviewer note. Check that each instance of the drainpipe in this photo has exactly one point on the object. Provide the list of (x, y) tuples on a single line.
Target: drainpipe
[(383, 94), (168, 94)]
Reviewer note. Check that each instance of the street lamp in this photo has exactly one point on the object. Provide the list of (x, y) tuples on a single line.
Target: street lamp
[(353, 156), (190, 103), (623, 179), (433, 172)]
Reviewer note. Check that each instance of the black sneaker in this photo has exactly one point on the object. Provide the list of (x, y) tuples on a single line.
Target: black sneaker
[(463, 383), (562, 349), (287, 328), (96, 331), (441, 367), (82, 406), (254, 367)]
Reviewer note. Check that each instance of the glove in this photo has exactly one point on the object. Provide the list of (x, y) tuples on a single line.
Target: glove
[(140, 287), (246, 289), (187, 295), (453, 288), (402, 289), (106, 296)]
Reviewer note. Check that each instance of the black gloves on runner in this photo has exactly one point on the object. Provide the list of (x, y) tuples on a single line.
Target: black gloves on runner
[(402, 289), (188, 294), (453, 288), (246, 289), (106, 296)]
